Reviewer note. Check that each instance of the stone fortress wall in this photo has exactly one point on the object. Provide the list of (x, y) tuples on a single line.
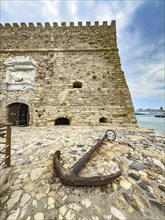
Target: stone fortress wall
[(64, 72)]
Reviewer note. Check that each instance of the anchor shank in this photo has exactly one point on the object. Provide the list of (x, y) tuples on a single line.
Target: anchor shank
[(82, 161)]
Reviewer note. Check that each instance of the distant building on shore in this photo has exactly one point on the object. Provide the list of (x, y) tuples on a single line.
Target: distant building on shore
[(155, 112)]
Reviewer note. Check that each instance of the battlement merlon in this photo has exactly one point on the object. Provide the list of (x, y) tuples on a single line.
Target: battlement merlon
[(56, 25), (46, 37)]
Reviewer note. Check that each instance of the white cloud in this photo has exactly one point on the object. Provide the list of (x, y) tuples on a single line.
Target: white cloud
[(28, 11), (148, 81), (6, 6), (142, 62), (72, 6), (71, 9), (50, 10), (89, 4), (116, 10), (103, 12)]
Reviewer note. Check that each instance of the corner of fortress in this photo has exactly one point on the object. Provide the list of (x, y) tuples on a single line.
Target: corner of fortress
[(58, 74)]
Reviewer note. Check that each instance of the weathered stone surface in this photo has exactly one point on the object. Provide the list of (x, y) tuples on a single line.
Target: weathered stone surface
[(162, 187), (36, 173), (75, 207), (114, 186), (138, 165), (51, 202), (134, 176), (24, 175), (68, 73), (143, 185), (25, 198), (130, 209), (86, 202), (131, 201), (115, 212), (15, 197), (100, 170), (70, 215), (14, 215), (39, 216), (158, 163), (125, 184), (158, 205), (142, 174), (63, 210), (107, 217)]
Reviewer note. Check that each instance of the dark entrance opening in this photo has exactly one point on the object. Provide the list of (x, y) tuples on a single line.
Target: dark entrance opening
[(18, 114), (62, 121), (103, 120)]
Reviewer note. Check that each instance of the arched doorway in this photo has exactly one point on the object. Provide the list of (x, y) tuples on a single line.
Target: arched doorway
[(18, 114), (62, 121)]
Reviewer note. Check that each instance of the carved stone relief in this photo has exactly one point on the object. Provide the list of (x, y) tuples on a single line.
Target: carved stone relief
[(20, 73)]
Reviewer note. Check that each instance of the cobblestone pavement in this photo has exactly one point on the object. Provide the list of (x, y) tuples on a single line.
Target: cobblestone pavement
[(34, 194)]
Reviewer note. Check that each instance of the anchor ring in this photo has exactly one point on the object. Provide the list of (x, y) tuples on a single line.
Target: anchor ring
[(112, 136)]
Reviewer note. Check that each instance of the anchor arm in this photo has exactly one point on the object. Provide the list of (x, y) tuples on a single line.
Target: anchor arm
[(69, 178)]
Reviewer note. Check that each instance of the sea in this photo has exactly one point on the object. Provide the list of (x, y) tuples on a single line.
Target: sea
[(150, 121)]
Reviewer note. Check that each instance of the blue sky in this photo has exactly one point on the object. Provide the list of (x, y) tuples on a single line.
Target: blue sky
[(140, 36)]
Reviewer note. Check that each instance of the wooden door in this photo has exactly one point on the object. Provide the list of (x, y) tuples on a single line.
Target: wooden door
[(18, 114), (23, 114), (14, 113)]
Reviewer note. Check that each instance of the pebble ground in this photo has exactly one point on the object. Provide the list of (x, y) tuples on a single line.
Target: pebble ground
[(36, 194)]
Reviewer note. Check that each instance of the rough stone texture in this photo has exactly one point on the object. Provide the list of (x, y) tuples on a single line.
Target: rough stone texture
[(36, 173), (59, 59), (117, 213), (128, 197), (158, 163), (39, 216)]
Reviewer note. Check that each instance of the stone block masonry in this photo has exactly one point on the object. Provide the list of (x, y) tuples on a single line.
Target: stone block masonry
[(51, 75)]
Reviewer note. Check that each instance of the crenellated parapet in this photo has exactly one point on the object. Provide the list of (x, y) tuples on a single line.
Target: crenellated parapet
[(55, 25), (58, 36)]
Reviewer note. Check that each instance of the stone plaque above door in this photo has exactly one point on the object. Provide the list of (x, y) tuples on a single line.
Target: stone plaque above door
[(20, 73)]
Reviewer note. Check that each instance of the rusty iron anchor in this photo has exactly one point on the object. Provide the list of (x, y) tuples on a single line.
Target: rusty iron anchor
[(70, 177)]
